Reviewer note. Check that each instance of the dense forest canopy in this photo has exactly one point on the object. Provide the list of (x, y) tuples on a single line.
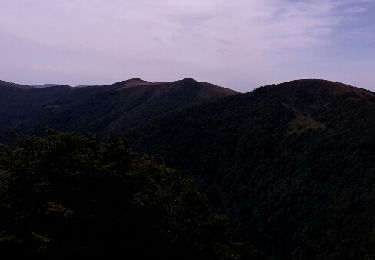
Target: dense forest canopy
[(68, 195), (293, 164)]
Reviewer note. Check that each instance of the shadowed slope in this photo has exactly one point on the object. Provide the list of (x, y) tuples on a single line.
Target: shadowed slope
[(292, 163), (98, 108)]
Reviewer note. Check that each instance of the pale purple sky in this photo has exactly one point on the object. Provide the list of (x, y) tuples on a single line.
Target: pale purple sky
[(239, 44)]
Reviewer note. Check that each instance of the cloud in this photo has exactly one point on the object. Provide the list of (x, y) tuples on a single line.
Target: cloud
[(228, 42)]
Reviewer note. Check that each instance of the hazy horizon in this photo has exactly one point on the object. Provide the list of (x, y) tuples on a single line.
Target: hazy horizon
[(239, 45)]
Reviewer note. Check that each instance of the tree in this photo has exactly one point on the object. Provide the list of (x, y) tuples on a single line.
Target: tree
[(65, 195)]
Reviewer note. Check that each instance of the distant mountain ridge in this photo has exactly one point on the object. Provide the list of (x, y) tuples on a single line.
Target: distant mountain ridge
[(98, 108), (44, 85)]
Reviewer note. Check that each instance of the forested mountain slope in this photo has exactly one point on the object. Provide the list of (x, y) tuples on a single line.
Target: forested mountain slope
[(294, 164), (98, 108)]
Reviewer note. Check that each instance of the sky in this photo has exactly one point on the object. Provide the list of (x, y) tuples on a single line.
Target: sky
[(240, 44)]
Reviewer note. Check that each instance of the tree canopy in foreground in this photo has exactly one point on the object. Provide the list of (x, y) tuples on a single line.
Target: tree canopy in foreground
[(64, 195)]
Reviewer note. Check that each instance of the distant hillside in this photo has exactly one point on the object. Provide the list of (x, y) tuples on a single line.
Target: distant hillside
[(4, 84), (98, 108), (45, 86), (294, 164)]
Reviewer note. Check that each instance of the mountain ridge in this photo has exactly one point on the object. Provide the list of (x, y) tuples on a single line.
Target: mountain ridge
[(98, 108), (291, 163)]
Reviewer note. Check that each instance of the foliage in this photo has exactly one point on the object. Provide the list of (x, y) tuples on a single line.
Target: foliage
[(69, 195), (293, 164)]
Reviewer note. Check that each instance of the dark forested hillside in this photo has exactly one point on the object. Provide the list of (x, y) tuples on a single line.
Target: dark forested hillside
[(69, 196), (98, 108), (294, 164)]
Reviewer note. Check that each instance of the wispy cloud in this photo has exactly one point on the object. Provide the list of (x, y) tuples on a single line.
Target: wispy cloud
[(238, 43)]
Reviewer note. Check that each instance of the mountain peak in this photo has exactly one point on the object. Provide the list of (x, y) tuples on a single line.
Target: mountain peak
[(314, 89), (136, 80), (189, 81), (133, 82)]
